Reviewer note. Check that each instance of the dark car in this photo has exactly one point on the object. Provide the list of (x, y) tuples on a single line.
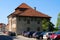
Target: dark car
[(28, 33), (11, 33), (37, 35), (41, 35), (31, 33), (25, 33)]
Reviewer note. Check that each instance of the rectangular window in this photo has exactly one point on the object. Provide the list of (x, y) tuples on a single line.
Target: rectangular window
[(28, 21), (31, 19), (24, 19), (38, 22), (35, 19), (19, 18)]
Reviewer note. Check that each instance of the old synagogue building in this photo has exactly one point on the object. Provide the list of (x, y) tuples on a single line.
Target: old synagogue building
[(25, 18)]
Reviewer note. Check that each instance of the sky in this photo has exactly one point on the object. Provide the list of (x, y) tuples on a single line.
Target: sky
[(49, 7)]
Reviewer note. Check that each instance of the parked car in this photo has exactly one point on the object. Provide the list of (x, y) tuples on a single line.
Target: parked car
[(31, 33), (37, 35), (47, 35), (1, 33), (55, 36), (11, 33), (41, 35), (26, 33)]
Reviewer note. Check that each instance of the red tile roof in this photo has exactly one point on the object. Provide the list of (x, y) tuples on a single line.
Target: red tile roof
[(1, 24), (23, 5), (28, 12)]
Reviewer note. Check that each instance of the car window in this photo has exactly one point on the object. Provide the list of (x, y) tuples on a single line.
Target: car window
[(43, 33), (50, 34)]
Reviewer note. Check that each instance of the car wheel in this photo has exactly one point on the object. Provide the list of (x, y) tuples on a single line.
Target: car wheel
[(56, 39), (48, 39)]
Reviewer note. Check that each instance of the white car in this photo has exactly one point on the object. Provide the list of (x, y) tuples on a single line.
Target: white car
[(47, 35), (1, 33)]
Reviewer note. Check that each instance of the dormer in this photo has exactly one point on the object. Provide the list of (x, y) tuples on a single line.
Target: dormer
[(21, 9)]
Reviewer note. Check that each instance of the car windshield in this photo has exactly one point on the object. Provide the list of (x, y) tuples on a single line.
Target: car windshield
[(48, 33), (43, 33), (38, 33)]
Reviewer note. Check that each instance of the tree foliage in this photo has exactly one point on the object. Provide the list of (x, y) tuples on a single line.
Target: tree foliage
[(44, 24), (58, 21), (47, 25), (51, 26)]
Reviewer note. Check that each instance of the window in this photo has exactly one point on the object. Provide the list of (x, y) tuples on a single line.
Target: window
[(19, 19), (28, 29), (35, 19), (22, 9), (38, 22), (38, 28), (31, 19), (24, 19), (28, 21)]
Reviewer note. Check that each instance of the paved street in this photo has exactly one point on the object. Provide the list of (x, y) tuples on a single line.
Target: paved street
[(23, 38), (5, 37)]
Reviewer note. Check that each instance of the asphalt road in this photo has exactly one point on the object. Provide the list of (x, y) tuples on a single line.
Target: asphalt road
[(4, 37), (23, 38)]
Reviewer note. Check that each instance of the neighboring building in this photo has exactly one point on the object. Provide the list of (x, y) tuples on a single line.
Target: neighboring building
[(25, 18), (2, 27), (7, 27)]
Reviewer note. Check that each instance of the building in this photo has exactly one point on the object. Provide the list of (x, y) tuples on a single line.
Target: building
[(2, 27), (7, 27), (25, 18)]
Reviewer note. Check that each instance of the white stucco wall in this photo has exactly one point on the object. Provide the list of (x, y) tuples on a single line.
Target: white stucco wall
[(9, 22), (12, 24)]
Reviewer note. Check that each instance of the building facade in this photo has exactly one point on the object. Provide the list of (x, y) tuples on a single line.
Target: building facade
[(25, 18), (2, 27)]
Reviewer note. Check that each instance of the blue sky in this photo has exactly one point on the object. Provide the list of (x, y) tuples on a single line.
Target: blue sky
[(49, 7)]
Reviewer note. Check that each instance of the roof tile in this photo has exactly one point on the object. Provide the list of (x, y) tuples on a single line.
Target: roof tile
[(29, 12)]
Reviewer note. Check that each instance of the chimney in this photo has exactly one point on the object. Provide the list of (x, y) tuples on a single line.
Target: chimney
[(35, 8)]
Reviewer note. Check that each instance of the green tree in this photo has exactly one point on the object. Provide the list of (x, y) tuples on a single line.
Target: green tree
[(51, 26), (47, 25), (58, 21)]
